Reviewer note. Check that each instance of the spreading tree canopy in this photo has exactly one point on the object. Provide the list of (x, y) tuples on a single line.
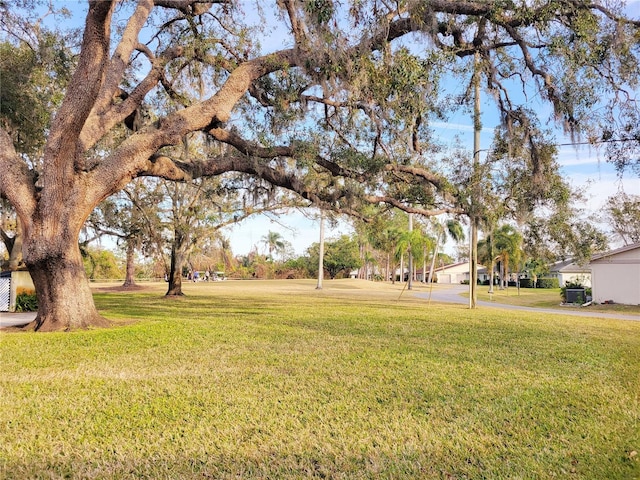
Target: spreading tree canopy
[(331, 100)]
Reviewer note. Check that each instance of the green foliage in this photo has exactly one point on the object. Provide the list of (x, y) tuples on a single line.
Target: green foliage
[(320, 10), (26, 302), (622, 213), (455, 230), (297, 268), (33, 81), (502, 244), (414, 242), (102, 264), (536, 267), (528, 174), (358, 161), (548, 283), (341, 256), (563, 233), (526, 283)]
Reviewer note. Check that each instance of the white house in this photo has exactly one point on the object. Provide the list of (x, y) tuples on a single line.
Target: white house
[(615, 276), (568, 271), (458, 272)]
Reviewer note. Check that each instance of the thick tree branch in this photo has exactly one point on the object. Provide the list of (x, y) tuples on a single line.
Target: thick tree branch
[(436, 180), (122, 55), (217, 109), (102, 122), (170, 169), (82, 92), (254, 150), (131, 156), (410, 209), (298, 27), (16, 180), (190, 7), (338, 199)]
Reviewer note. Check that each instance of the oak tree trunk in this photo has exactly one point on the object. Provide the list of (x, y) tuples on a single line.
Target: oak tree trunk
[(65, 301), (175, 275), (129, 278)]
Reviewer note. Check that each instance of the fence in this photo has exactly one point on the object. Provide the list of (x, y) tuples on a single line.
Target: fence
[(5, 294)]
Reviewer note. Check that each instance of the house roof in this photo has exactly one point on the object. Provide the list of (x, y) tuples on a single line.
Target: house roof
[(617, 251), (569, 266), (455, 265), (450, 266)]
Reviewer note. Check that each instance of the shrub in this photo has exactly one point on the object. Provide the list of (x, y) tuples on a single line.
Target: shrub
[(577, 284), (26, 301), (526, 283), (548, 283)]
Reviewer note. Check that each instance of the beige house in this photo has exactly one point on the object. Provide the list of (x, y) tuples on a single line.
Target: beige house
[(458, 273), (615, 276), (568, 271)]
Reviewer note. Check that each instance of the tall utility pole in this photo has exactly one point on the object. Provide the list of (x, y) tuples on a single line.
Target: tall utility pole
[(473, 217), (410, 279), (321, 252)]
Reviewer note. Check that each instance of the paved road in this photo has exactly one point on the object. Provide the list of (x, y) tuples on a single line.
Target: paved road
[(10, 319), (453, 294)]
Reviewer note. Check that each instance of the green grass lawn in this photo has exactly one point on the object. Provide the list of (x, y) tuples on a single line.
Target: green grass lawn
[(546, 298), (253, 379)]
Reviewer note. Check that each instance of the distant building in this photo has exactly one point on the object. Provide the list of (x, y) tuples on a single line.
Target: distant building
[(458, 273), (570, 272), (615, 276)]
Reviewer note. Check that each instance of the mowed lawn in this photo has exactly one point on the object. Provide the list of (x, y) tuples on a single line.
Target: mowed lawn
[(275, 379), (547, 298)]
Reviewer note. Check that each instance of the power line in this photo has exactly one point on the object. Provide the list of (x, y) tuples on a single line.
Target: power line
[(570, 144)]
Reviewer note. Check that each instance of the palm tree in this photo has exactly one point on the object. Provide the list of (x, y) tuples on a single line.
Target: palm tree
[(226, 253), (274, 242), (486, 256), (503, 245), (388, 242), (508, 242), (409, 242), (454, 230)]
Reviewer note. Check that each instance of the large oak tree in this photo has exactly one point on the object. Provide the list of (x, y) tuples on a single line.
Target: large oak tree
[(338, 112)]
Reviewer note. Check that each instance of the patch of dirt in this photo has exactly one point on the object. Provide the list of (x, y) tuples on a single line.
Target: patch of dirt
[(120, 288)]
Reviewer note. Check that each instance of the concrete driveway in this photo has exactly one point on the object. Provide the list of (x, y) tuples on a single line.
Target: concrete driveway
[(12, 319)]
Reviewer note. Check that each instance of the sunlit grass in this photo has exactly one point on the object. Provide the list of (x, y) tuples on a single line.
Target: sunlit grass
[(546, 298), (358, 380)]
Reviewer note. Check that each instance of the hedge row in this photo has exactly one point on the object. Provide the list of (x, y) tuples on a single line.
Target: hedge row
[(526, 283)]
